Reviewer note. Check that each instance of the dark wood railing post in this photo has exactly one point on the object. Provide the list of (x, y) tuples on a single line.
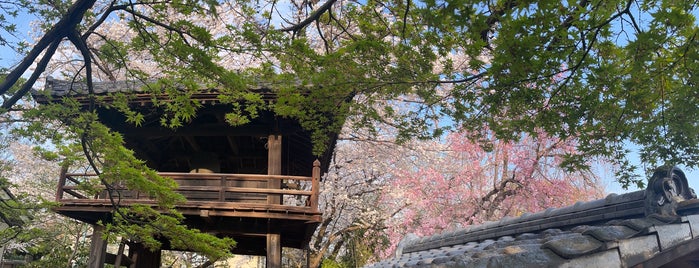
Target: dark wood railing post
[(315, 185), (222, 191), (61, 183)]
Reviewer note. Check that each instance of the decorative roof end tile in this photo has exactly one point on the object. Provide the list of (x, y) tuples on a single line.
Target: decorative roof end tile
[(666, 189)]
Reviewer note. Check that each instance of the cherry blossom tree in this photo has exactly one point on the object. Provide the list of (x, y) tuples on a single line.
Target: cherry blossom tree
[(465, 183), (353, 224), (50, 239), (349, 194), (379, 190)]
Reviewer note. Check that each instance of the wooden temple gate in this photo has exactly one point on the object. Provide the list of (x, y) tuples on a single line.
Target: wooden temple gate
[(212, 200)]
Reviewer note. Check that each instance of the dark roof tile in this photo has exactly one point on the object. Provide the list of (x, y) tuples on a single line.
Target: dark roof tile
[(636, 224), (574, 246), (610, 233), (526, 236)]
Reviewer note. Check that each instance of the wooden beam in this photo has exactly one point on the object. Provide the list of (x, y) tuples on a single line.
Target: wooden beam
[(71, 192), (203, 130)]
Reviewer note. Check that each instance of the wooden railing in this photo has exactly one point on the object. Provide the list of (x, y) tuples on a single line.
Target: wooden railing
[(203, 187)]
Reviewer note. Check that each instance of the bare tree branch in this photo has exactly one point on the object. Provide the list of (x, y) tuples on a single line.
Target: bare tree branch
[(53, 36), (40, 67), (311, 18)]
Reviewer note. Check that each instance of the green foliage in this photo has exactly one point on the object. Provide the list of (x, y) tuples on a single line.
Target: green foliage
[(564, 68), (144, 224), (360, 251), (330, 263)]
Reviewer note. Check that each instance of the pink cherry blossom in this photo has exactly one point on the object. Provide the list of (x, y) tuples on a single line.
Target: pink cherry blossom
[(465, 184)]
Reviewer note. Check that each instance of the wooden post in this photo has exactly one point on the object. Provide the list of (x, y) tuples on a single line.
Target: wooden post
[(274, 250), (274, 167), (120, 252), (98, 248), (315, 185), (142, 257), (61, 183), (222, 191)]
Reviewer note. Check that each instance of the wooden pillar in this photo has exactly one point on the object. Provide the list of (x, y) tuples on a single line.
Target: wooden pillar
[(274, 167), (98, 248), (274, 250), (143, 257), (120, 253)]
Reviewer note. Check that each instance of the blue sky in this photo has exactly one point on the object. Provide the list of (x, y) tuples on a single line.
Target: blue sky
[(614, 187), (8, 57)]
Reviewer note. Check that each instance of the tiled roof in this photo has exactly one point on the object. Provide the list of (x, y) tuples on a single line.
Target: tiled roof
[(648, 228), (63, 87), (55, 89)]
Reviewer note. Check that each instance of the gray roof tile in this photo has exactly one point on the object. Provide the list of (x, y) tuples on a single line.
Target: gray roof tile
[(638, 249), (610, 232), (574, 246), (672, 234)]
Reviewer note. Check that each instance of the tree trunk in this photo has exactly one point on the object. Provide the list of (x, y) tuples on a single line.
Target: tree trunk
[(314, 260)]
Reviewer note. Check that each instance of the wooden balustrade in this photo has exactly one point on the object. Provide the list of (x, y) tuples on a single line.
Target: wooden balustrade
[(200, 187)]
